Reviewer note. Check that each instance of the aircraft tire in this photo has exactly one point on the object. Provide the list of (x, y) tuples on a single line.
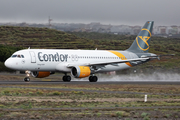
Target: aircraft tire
[(90, 78), (67, 78), (26, 79), (93, 79), (64, 78)]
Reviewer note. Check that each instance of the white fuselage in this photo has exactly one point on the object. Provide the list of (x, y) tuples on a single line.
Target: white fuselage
[(58, 60)]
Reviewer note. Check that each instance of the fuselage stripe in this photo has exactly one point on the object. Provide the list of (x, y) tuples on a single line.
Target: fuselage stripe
[(121, 56)]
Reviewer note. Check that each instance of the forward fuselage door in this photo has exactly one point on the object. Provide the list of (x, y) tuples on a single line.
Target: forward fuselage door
[(33, 57)]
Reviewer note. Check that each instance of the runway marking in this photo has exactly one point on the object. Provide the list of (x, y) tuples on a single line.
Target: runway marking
[(46, 80)]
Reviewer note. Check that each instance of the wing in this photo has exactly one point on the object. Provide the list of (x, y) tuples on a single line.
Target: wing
[(109, 62)]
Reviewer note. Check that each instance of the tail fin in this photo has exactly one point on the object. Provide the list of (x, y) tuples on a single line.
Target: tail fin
[(142, 41)]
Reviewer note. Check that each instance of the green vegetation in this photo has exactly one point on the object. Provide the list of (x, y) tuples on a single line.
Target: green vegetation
[(41, 38)]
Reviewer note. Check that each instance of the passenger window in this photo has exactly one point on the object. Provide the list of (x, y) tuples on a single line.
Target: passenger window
[(22, 56)]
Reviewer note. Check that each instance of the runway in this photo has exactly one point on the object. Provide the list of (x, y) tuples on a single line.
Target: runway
[(19, 82), (14, 84), (139, 78)]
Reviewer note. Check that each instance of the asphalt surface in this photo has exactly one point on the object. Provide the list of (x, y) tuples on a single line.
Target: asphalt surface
[(19, 82)]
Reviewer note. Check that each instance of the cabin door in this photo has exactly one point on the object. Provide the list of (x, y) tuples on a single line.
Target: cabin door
[(33, 57)]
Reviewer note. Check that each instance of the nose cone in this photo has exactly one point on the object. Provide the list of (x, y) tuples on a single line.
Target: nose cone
[(8, 63)]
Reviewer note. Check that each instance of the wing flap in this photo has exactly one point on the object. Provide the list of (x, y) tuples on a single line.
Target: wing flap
[(121, 61)]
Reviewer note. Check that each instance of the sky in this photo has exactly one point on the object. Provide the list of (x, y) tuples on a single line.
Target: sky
[(114, 12)]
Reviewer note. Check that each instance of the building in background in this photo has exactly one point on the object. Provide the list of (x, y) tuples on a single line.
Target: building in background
[(163, 31)]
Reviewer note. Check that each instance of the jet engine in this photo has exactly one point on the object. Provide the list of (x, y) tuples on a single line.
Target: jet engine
[(43, 74), (80, 71)]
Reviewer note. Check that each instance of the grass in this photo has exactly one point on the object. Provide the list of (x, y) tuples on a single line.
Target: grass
[(154, 89), (89, 104)]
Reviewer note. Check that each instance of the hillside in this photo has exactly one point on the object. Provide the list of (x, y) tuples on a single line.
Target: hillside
[(158, 45), (49, 38), (41, 38)]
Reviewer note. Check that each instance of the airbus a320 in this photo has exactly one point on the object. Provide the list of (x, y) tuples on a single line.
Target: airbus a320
[(82, 63)]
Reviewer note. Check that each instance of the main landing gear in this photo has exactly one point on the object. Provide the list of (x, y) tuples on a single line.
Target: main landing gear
[(66, 78), (93, 78)]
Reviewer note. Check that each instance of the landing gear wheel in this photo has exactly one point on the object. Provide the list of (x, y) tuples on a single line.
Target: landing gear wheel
[(93, 79), (26, 79), (90, 78), (67, 78)]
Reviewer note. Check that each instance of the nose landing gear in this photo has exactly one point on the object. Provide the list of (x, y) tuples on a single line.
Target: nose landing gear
[(27, 79)]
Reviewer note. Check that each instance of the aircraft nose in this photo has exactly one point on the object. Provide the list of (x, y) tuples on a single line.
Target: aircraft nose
[(8, 63)]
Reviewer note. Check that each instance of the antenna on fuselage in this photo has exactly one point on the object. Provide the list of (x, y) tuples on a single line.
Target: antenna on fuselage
[(96, 49), (29, 48)]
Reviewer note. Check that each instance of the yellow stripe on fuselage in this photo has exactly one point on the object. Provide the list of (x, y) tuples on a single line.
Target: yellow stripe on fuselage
[(121, 56)]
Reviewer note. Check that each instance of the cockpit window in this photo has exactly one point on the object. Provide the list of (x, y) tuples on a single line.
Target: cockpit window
[(17, 56), (13, 56)]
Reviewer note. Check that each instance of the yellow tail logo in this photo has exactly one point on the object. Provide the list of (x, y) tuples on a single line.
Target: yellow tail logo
[(144, 39)]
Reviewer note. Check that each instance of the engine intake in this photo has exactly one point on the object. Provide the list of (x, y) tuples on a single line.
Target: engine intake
[(80, 71)]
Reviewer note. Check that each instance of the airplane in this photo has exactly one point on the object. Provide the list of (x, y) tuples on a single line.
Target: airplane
[(41, 63)]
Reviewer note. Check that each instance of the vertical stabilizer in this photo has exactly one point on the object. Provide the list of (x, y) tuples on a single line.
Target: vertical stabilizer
[(142, 42)]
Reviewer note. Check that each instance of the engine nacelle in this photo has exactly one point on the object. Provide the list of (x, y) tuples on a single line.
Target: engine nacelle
[(37, 74), (80, 71)]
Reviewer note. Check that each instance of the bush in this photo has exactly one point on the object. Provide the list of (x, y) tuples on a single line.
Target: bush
[(119, 114), (56, 93), (6, 92), (2, 106), (144, 114), (39, 93), (146, 118), (78, 92), (30, 93), (98, 114)]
